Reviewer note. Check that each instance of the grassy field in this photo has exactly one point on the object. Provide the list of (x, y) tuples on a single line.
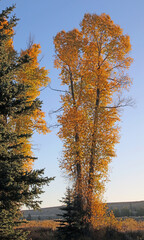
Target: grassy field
[(46, 230)]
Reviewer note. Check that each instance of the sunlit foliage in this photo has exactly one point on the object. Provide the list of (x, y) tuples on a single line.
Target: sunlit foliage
[(18, 184), (93, 62)]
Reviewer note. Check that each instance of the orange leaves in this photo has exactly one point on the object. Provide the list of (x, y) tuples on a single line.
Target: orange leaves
[(39, 123), (32, 74), (6, 30), (36, 77), (93, 62), (67, 47), (107, 40)]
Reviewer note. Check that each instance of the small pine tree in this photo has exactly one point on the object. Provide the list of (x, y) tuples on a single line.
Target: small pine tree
[(65, 230), (72, 218), (17, 185)]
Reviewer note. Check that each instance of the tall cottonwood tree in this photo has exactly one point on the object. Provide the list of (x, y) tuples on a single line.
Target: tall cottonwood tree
[(94, 62), (18, 185)]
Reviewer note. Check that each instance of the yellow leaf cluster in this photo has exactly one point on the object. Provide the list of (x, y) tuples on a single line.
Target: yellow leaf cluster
[(7, 31), (34, 76)]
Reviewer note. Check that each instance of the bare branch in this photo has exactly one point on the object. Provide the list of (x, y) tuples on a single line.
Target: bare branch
[(104, 60), (42, 89), (57, 90), (30, 41), (55, 111), (54, 126), (116, 66), (125, 102)]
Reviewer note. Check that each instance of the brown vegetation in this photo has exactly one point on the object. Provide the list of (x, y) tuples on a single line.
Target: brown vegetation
[(127, 229)]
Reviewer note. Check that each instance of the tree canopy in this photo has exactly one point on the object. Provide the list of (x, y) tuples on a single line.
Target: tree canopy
[(93, 62)]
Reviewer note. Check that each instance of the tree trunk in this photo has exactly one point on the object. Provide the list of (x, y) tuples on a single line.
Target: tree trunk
[(92, 156), (77, 160)]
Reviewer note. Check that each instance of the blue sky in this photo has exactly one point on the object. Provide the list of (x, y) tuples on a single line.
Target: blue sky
[(43, 20)]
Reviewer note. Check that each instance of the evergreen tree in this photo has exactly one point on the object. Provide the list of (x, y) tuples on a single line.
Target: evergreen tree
[(18, 186), (65, 230), (72, 224)]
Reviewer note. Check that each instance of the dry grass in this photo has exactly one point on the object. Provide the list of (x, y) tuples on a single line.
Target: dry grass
[(49, 224), (40, 230), (132, 225), (45, 230)]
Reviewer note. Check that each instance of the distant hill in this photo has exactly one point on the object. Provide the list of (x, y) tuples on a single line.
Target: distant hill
[(127, 209), (42, 214), (120, 205), (120, 209)]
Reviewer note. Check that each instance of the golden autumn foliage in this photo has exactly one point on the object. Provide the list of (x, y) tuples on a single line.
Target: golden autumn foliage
[(34, 76), (93, 62), (7, 31)]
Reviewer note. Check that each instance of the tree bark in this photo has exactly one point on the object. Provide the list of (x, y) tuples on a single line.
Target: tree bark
[(92, 156), (77, 160)]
